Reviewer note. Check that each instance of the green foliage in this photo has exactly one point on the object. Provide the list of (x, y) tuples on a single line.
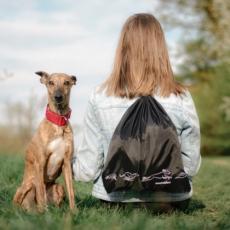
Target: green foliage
[(225, 107), (209, 208), (206, 28), (212, 86), (206, 56)]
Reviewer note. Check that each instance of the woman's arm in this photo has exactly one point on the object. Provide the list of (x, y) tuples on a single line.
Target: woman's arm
[(88, 159), (190, 137)]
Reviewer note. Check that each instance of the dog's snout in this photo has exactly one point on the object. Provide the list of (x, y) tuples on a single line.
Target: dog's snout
[(58, 96)]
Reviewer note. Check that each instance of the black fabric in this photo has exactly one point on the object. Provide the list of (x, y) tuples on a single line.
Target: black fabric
[(144, 152)]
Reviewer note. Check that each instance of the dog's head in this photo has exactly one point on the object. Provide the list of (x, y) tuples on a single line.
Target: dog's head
[(59, 86)]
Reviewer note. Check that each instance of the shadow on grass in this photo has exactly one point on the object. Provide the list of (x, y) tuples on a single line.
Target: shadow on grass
[(87, 202), (91, 202), (194, 205)]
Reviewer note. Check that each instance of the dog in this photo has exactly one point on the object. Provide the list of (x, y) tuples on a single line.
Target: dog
[(50, 151)]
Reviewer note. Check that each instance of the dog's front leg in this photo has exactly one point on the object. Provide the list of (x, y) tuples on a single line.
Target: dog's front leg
[(67, 171), (40, 187)]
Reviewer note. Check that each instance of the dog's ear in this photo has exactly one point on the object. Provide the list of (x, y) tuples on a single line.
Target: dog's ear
[(73, 79), (44, 76)]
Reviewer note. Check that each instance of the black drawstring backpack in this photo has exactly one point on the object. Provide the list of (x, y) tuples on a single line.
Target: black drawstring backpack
[(144, 153)]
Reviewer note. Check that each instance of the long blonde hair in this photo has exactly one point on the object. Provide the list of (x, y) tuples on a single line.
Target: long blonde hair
[(142, 65)]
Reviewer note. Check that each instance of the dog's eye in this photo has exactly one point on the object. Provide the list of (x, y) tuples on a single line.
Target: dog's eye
[(66, 83), (51, 83)]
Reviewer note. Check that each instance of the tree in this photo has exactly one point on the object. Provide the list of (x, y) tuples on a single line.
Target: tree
[(207, 26), (204, 27)]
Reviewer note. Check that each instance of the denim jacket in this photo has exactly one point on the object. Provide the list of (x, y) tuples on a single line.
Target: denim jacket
[(101, 118)]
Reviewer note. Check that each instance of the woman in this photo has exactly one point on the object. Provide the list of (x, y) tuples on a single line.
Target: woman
[(141, 68)]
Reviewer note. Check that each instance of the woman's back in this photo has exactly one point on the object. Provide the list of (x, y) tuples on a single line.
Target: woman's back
[(141, 68), (104, 113)]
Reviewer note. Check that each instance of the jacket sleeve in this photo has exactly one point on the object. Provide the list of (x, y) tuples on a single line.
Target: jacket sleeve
[(190, 137), (88, 159)]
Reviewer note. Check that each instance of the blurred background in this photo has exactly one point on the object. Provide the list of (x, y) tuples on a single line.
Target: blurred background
[(80, 38)]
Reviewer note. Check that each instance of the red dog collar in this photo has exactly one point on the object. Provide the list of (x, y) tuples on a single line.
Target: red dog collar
[(60, 120)]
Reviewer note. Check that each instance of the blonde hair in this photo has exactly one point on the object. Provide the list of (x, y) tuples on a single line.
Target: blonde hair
[(142, 65)]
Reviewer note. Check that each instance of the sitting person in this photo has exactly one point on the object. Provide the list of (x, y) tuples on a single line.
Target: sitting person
[(141, 68)]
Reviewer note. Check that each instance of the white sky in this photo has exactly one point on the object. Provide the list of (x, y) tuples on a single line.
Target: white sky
[(75, 37)]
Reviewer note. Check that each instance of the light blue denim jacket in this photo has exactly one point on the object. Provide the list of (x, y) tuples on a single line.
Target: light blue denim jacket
[(101, 118)]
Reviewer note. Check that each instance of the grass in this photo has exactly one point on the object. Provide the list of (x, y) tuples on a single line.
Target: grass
[(209, 208)]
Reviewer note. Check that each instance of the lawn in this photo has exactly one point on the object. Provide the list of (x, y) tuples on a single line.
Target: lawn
[(209, 208)]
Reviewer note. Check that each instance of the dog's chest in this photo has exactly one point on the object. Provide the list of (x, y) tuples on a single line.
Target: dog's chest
[(57, 148)]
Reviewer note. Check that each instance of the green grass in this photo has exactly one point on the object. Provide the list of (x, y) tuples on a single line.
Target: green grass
[(209, 208)]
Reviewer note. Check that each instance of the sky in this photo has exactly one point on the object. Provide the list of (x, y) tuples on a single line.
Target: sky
[(75, 37)]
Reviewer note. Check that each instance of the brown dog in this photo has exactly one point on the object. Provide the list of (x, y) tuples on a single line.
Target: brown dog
[(50, 151)]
